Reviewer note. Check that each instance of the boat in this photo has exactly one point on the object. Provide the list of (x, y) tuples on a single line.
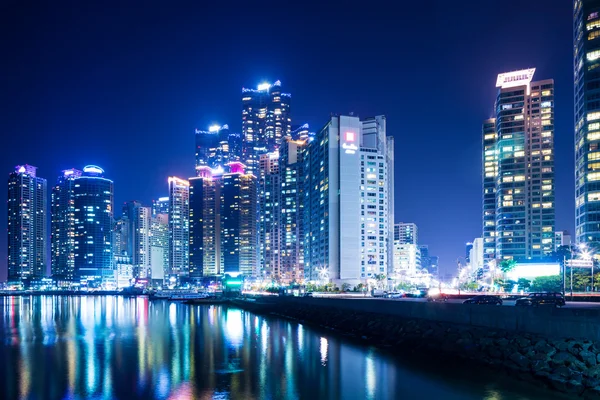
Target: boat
[(178, 295)]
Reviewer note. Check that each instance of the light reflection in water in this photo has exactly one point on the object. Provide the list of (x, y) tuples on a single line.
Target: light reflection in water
[(323, 351), (133, 348)]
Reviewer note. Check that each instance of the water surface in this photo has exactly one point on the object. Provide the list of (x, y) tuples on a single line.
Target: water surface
[(110, 347)]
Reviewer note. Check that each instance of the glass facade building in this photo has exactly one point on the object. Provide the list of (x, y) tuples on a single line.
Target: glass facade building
[(160, 206), (265, 122), (27, 224), (586, 55), (138, 244), (63, 225), (490, 174), (217, 146), (524, 166), (94, 205)]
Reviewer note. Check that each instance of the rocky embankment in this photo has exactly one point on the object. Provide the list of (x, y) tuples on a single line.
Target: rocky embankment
[(568, 365)]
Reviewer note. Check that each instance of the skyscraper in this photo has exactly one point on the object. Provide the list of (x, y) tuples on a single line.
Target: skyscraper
[(406, 233), (27, 224), (347, 224), (217, 146), (238, 220), (179, 209), (586, 46), (138, 245), (63, 225), (490, 174), (265, 121), (159, 247), (523, 144), (270, 210), (94, 205), (291, 214)]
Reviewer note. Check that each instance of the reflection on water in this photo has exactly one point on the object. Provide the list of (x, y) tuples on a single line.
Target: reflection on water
[(129, 348)]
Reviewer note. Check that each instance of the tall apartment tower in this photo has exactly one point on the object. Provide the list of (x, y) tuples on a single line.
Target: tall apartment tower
[(160, 206), (406, 233), (93, 214), (586, 46), (179, 210), (347, 228), (291, 213), (265, 122), (270, 212), (524, 167), (490, 175), (63, 225), (159, 247), (27, 224), (138, 245), (223, 222)]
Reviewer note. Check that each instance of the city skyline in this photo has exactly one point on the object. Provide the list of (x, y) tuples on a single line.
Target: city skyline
[(422, 194)]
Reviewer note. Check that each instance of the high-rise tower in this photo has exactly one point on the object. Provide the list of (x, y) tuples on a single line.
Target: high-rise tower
[(94, 225), (265, 121), (27, 224), (179, 209), (586, 47), (63, 225), (523, 165)]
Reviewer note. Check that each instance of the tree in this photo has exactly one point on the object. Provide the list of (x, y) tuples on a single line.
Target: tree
[(509, 285), (361, 287), (381, 281), (345, 287), (507, 265), (405, 286), (524, 284), (547, 284)]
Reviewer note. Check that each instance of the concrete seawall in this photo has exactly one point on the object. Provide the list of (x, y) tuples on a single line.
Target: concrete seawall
[(546, 321), (557, 348)]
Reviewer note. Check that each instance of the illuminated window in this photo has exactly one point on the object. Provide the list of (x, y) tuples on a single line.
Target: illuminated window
[(546, 205), (546, 93), (592, 25), (546, 122), (546, 152), (593, 136), (507, 179), (507, 204), (594, 196), (594, 156), (593, 116), (546, 133), (594, 166), (519, 178), (535, 205), (518, 117), (546, 187), (490, 136), (593, 35), (593, 176), (594, 126), (519, 154)]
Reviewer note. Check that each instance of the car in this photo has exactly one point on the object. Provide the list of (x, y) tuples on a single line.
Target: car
[(541, 299), (493, 300), (395, 295), (308, 294)]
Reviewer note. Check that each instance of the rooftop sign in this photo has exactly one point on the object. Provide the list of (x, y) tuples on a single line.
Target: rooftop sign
[(515, 78)]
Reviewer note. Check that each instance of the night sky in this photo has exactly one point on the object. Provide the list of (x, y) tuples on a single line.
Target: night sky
[(124, 87)]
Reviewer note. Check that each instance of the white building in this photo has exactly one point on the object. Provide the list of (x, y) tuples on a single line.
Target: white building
[(407, 260), (349, 226), (476, 254), (562, 238), (159, 246)]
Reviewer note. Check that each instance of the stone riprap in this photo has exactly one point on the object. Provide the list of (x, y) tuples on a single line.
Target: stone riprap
[(569, 365)]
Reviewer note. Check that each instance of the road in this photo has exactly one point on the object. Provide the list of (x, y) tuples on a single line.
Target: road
[(570, 304)]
